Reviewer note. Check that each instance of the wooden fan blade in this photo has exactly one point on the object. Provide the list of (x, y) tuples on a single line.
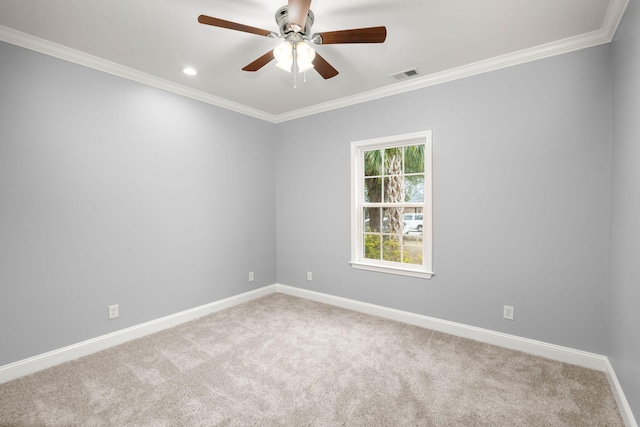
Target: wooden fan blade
[(216, 22), (260, 62), (298, 11), (359, 35), (323, 67)]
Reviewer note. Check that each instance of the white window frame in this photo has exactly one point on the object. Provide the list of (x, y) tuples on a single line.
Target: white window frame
[(358, 260)]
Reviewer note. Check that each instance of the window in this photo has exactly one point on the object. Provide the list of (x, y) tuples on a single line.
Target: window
[(391, 205)]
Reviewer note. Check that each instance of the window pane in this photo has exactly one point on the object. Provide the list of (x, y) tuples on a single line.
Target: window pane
[(393, 188), (393, 220), (373, 190), (372, 217), (412, 253), (373, 163), (414, 188), (413, 223), (372, 246), (414, 159), (391, 248), (393, 161)]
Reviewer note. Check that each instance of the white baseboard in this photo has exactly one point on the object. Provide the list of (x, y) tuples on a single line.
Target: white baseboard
[(84, 348), (623, 404), (539, 348)]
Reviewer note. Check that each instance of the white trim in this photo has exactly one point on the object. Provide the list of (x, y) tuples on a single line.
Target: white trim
[(84, 348), (594, 38), (613, 17), (391, 270), (623, 404)]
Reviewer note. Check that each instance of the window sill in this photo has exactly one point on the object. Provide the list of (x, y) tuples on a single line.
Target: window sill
[(392, 270)]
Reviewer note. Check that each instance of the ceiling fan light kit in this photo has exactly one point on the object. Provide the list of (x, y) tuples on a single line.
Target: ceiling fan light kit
[(284, 55), (295, 53), (304, 56), (299, 53)]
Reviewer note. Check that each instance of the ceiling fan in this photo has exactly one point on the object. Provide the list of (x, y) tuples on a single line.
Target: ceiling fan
[(295, 54)]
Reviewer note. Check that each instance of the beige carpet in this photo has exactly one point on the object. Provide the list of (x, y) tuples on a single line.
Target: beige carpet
[(285, 361)]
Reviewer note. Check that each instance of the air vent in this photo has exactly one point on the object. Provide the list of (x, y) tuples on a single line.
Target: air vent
[(405, 74)]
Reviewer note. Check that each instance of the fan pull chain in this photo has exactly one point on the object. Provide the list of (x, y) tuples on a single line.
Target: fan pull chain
[(295, 65)]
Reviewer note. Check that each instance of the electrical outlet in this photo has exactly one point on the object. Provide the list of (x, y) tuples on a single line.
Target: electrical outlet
[(507, 312), (114, 311), (251, 276), (309, 276)]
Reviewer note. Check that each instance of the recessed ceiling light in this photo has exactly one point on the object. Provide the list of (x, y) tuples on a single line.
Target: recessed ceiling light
[(189, 71)]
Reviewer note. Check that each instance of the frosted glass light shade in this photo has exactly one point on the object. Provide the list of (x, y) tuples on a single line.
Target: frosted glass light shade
[(305, 56), (284, 55)]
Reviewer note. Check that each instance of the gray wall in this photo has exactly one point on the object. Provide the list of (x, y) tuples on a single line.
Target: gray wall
[(113, 192), (624, 277), (521, 199)]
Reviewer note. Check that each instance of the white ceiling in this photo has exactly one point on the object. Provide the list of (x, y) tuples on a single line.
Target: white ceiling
[(152, 40)]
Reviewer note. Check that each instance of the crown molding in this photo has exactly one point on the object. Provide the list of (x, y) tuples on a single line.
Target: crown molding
[(469, 70), (613, 17), (604, 35), (28, 41)]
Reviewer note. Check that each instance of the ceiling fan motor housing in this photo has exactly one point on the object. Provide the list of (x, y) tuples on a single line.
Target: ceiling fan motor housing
[(282, 19)]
